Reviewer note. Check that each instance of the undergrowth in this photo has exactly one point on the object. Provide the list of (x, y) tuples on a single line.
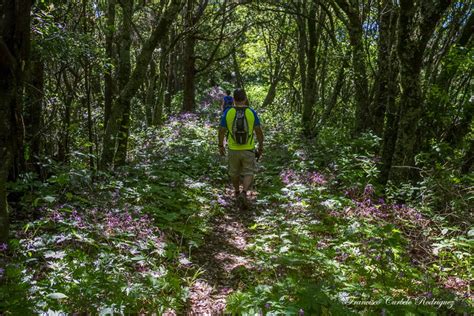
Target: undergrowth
[(325, 238)]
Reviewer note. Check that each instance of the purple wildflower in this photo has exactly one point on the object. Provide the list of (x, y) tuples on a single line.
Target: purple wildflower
[(288, 176), (221, 201), (141, 267), (301, 312), (369, 190), (316, 178), (3, 246), (56, 216)]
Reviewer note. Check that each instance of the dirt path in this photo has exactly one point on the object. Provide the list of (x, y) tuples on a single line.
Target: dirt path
[(223, 258)]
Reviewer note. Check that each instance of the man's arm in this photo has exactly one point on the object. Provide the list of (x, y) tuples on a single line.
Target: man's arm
[(222, 132), (259, 133)]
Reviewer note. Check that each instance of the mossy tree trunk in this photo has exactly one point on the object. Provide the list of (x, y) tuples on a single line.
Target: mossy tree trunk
[(416, 24), (386, 87), (108, 76), (14, 55), (386, 56), (124, 70), (33, 113), (309, 89), (353, 22)]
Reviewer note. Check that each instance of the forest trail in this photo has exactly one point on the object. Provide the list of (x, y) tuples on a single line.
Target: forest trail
[(223, 258), (226, 257)]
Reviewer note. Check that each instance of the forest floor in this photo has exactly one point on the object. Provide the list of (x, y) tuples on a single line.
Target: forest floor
[(164, 235), (222, 257)]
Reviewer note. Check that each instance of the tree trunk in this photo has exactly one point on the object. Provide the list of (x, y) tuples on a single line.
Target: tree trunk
[(136, 79), (238, 75), (109, 40), (270, 97), (444, 84), (302, 44), (323, 74), (7, 121), (189, 73), (124, 71), (309, 90), (63, 150), (161, 82), (14, 51), (169, 65), (391, 125), (150, 98), (387, 88), (468, 159), (410, 48), (87, 86), (354, 27), (335, 94), (360, 81), (385, 54), (449, 70), (170, 85), (189, 63), (33, 112)]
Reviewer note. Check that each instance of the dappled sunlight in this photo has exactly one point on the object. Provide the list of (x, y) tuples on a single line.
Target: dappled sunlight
[(172, 221), (236, 157)]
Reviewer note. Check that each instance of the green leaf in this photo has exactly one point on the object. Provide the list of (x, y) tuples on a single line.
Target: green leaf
[(49, 199), (470, 233), (57, 296)]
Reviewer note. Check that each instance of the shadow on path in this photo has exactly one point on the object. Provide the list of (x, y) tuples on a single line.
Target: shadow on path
[(223, 259)]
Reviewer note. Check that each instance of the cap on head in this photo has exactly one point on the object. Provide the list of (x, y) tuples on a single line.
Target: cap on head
[(227, 92), (239, 95)]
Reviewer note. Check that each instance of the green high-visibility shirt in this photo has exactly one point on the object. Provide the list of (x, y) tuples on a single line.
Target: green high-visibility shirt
[(253, 121)]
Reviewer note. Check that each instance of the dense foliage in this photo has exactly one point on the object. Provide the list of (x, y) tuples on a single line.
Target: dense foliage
[(113, 199)]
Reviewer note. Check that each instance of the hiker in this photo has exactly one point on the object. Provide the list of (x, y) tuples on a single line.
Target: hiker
[(227, 101), (239, 123)]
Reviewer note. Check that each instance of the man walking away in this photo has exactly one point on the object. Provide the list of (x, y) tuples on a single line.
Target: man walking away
[(239, 123)]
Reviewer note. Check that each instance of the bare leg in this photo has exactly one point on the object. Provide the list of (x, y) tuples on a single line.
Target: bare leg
[(247, 182), (236, 184)]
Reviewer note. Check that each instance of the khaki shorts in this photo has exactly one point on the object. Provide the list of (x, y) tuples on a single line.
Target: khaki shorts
[(241, 163)]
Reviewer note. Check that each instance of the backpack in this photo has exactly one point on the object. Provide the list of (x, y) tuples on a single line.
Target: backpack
[(240, 126)]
